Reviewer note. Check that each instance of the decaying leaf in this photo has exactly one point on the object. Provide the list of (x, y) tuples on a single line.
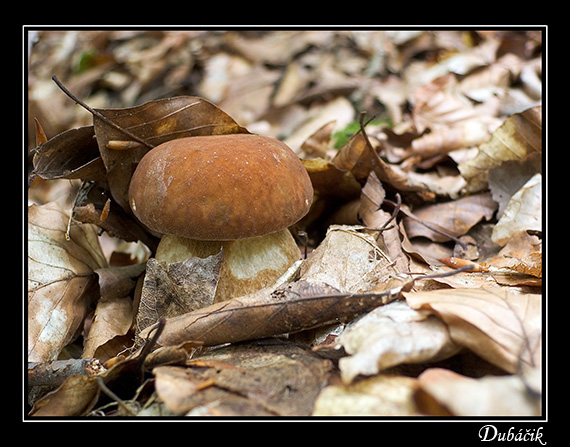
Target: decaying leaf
[(382, 395), (519, 138), (391, 335), (288, 309), (269, 379), (457, 216), (500, 326), (174, 289), (487, 396), (347, 260), (61, 283), (523, 212), (70, 154)]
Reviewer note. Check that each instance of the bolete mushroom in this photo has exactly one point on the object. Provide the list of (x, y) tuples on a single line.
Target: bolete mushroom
[(240, 192)]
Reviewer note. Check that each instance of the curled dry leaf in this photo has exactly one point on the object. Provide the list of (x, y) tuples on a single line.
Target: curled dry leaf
[(519, 138), (61, 283), (382, 395), (487, 396), (291, 308), (523, 212), (70, 154), (391, 335), (500, 326)]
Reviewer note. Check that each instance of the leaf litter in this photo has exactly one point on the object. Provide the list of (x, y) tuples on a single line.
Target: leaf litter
[(374, 318)]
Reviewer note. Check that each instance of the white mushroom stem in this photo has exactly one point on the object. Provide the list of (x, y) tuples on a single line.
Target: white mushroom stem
[(248, 265)]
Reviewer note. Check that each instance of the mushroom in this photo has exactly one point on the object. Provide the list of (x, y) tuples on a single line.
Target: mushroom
[(238, 192)]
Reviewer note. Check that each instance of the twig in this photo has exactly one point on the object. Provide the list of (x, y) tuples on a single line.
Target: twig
[(103, 387), (99, 115), (56, 372)]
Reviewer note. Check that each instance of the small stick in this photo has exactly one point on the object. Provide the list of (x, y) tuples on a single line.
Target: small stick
[(99, 115), (56, 372)]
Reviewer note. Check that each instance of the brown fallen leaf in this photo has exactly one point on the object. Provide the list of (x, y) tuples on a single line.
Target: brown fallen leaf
[(70, 154), (177, 288), (457, 216), (500, 326), (113, 319), (272, 378), (523, 254), (291, 308), (487, 396), (523, 212), (519, 138), (391, 335), (61, 282), (438, 103)]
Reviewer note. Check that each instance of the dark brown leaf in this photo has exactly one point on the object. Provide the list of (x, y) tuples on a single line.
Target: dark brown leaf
[(71, 154), (293, 308), (154, 122)]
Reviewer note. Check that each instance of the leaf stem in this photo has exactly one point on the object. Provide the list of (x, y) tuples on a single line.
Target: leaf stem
[(99, 115)]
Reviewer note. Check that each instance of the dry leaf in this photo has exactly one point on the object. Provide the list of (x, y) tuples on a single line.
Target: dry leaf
[(383, 395), (291, 308), (523, 212), (347, 260), (70, 154), (61, 283), (391, 335), (500, 326), (113, 318), (487, 396), (174, 289), (457, 216), (275, 379), (438, 103), (523, 254), (518, 138)]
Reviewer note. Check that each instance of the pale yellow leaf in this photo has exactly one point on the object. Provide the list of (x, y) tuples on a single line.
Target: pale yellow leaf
[(60, 279), (500, 326)]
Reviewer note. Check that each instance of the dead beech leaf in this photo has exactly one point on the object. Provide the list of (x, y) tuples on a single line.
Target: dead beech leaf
[(280, 378), (70, 154), (347, 260), (519, 138), (382, 395), (500, 326), (291, 308), (523, 212), (177, 288), (155, 122), (457, 216), (61, 282), (391, 335), (113, 318), (487, 396), (438, 103)]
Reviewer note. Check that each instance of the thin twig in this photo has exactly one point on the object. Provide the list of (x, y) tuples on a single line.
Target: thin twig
[(99, 115)]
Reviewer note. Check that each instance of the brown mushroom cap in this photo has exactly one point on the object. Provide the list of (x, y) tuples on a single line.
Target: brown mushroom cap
[(220, 187)]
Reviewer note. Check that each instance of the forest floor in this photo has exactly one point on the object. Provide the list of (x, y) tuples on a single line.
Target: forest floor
[(424, 149)]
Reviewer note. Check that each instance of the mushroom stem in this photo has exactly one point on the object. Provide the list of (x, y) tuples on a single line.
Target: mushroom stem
[(249, 264)]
